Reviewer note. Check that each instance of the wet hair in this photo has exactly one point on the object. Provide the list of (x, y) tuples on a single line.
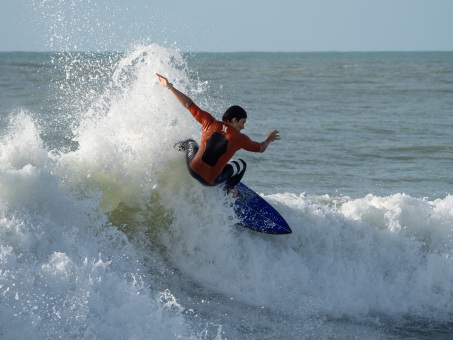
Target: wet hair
[(232, 112)]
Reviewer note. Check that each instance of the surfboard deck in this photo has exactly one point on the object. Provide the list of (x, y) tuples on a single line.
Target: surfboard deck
[(256, 214)]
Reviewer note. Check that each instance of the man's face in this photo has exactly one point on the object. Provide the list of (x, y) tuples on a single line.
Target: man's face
[(238, 125)]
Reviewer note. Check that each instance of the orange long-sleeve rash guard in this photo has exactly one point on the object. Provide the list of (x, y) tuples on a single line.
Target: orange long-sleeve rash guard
[(219, 142)]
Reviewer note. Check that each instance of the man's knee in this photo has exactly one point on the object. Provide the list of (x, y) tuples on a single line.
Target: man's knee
[(239, 166)]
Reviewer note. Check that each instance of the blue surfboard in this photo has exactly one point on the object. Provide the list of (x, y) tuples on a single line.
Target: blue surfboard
[(255, 213)]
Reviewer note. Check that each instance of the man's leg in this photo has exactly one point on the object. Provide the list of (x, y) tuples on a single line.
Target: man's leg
[(232, 174), (190, 147)]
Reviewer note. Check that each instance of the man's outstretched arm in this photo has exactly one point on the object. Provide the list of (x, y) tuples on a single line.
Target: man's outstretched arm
[(182, 98)]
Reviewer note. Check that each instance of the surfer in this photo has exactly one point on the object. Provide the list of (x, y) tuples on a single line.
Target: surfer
[(210, 163)]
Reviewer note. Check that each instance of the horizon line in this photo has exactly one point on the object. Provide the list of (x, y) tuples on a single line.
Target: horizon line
[(232, 52)]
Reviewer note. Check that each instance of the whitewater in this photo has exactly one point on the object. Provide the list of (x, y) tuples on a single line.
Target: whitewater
[(104, 234)]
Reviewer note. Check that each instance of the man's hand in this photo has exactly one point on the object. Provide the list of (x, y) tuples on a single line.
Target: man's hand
[(163, 81), (273, 136)]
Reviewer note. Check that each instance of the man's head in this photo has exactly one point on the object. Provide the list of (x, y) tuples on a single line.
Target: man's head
[(232, 112), (235, 116)]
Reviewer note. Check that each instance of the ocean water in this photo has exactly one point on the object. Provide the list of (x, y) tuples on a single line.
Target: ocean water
[(104, 235)]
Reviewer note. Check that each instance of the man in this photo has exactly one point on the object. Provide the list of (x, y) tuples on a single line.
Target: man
[(210, 162)]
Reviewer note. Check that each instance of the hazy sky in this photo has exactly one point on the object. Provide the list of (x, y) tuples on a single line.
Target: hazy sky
[(234, 25)]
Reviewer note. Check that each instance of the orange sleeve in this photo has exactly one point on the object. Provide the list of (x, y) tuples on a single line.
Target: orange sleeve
[(202, 117), (249, 145)]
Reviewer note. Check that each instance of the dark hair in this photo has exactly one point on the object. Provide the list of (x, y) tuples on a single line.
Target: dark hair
[(232, 112)]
